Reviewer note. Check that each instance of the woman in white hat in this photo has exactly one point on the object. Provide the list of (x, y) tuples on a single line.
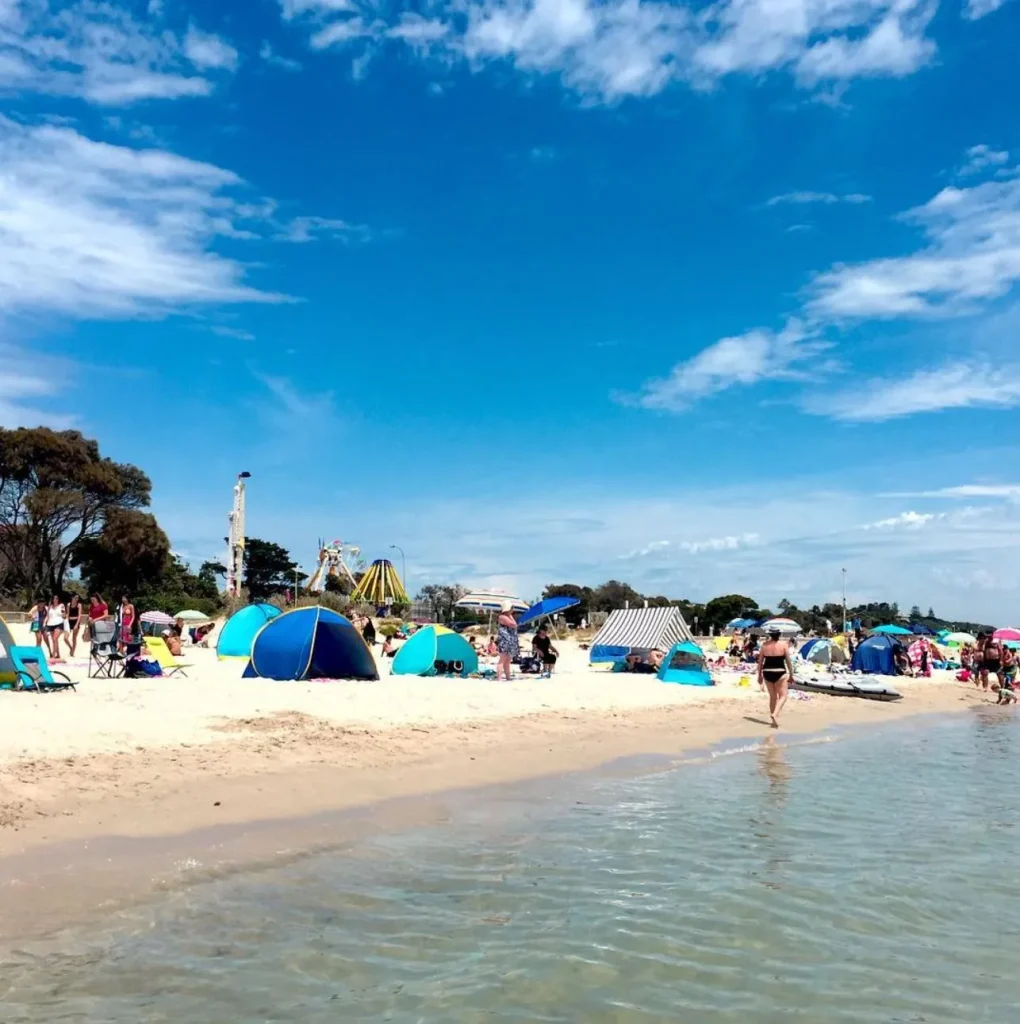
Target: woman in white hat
[(507, 643)]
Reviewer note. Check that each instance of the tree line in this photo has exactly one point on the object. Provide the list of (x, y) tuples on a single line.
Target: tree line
[(72, 519)]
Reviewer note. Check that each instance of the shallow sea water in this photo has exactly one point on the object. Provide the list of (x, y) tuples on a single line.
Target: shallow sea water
[(870, 878)]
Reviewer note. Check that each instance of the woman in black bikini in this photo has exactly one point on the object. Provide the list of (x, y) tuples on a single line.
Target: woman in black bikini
[(775, 670), (73, 624)]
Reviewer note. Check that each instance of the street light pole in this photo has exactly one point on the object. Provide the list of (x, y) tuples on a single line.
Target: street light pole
[(403, 566), (843, 571)]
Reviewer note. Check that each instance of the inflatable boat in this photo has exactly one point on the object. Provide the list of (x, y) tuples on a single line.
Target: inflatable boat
[(843, 687)]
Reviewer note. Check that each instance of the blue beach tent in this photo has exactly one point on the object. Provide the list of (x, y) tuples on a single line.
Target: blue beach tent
[(239, 631), (875, 656), (685, 663), (420, 652), (310, 643)]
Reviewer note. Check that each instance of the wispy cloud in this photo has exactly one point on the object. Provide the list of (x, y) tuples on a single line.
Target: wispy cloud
[(30, 387), (276, 60), (907, 520), (982, 158), (288, 408), (954, 386), (742, 360), (90, 229), (728, 543), (608, 50), (1009, 491), (100, 52), (825, 198), (307, 229), (975, 9), (237, 333)]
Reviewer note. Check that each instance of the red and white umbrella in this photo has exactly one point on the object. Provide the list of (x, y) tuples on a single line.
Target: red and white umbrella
[(157, 618)]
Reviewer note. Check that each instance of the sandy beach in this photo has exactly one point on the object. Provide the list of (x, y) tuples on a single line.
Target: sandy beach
[(168, 755)]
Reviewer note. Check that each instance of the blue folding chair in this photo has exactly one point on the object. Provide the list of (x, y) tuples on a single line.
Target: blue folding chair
[(34, 673)]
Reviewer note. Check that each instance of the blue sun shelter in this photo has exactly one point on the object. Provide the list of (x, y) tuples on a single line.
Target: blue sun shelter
[(310, 643), (239, 631), (685, 664), (435, 650), (876, 656)]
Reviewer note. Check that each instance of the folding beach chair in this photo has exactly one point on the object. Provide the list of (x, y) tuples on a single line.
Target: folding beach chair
[(104, 657), (158, 650), (34, 673)]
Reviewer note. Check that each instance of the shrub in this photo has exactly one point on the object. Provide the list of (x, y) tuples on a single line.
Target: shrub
[(388, 629)]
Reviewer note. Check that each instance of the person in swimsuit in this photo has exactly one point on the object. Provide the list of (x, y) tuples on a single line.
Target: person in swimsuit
[(39, 622), (507, 641), (1007, 676), (73, 624), (127, 622), (991, 661), (56, 613), (775, 670)]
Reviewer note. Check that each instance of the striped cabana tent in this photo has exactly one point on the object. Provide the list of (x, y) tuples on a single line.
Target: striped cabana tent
[(637, 631)]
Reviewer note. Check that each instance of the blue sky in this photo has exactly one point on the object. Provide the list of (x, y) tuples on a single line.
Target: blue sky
[(710, 297)]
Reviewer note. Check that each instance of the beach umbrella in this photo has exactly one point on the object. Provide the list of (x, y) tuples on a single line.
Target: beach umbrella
[(892, 630), (1007, 633), (157, 619), (958, 639), (191, 615), (787, 627), (491, 601), (550, 606)]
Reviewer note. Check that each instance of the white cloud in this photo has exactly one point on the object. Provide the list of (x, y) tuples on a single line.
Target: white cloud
[(25, 382), (291, 409), (827, 198), (94, 230), (973, 254), (98, 51), (271, 57), (975, 9), (909, 520), (1009, 491), (955, 386), (745, 359), (237, 333), (209, 52), (728, 543), (307, 229), (983, 158), (608, 49)]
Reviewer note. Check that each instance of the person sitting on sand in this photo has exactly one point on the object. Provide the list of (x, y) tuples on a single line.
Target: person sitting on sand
[(389, 648), (648, 665), (775, 672), (543, 646), (491, 649), (173, 642), (902, 661)]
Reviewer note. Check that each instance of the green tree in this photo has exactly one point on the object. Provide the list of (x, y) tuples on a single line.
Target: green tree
[(612, 595), (268, 569), (129, 551), (721, 610), (56, 491), (441, 599), (915, 613)]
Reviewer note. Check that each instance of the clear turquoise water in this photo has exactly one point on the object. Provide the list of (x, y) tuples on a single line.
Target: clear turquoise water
[(870, 879)]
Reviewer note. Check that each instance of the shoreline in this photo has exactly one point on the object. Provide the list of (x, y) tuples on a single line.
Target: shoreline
[(113, 826)]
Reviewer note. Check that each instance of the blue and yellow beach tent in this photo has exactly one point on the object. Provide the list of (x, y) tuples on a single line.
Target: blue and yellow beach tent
[(239, 631), (8, 670), (418, 654), (310, 643), (685, 663)]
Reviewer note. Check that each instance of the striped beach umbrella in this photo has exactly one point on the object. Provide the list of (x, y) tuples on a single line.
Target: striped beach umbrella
[(491, 601), (786, 627), (157, 619)]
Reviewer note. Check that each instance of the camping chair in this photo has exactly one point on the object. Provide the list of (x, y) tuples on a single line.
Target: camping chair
[(34, 673), (158, 650), (103, 653)]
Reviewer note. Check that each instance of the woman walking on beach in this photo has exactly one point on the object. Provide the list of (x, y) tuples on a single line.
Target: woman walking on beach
[(73, 624), (507, 642), (775, 670)]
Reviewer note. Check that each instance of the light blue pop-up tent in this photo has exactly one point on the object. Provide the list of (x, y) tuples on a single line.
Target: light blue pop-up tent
[(685, 663), (310, 643), (239, 631), (419, 654)]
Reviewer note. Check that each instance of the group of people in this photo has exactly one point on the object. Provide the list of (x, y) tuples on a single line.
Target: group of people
[(68, 619), (988, 657)]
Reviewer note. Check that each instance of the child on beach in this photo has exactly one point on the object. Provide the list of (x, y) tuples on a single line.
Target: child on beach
[(1007, 675)]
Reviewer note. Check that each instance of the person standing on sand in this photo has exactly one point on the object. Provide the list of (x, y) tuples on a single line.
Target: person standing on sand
[(126, 615), (73, 624), (775, 670), (507, 641), (991, 660), (56, 613)]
